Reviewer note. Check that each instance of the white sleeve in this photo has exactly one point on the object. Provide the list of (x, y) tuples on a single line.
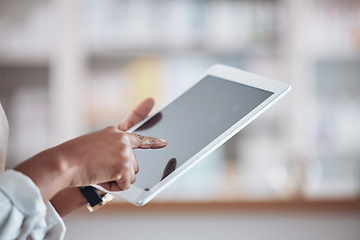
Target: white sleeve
[(23, 213)]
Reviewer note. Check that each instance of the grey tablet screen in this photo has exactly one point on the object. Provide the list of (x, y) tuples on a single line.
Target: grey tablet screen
[(191, 122)]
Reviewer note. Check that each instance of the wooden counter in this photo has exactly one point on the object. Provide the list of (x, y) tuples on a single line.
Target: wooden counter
[(328, 205)]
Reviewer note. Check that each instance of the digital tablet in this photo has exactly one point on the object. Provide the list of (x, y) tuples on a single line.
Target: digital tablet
[(218, 105)]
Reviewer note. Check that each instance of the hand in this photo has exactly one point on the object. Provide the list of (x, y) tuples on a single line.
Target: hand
[(124, 174), (70, 199), (104, 157)]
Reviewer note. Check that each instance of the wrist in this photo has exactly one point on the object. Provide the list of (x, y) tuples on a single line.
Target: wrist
[(95, 198), (48, 171), (61, 166), (68, 200)]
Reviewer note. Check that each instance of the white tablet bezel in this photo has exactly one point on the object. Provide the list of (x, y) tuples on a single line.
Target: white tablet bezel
[(140, 197)]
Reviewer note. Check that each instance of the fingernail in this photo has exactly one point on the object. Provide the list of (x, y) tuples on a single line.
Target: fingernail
[(159, 143), (163, 141)]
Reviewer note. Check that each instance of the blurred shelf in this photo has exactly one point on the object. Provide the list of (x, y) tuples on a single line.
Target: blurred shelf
[(163, 50), (121, 56), (320, 206), (354, 57), (24, 61)]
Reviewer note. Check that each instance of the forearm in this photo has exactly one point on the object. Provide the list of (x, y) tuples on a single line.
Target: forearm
[(48, 171), (51, 174)]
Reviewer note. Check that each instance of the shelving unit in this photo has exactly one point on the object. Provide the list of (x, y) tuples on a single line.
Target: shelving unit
[(92, 61)]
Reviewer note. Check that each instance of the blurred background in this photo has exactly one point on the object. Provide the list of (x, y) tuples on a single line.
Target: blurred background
[(70, 67)]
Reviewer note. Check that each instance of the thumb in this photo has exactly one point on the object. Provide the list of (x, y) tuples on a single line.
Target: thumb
[(139, 141)]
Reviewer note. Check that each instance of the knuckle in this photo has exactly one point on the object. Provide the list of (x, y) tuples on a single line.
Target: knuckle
[(126, 166), (125, 185), (123, 138), (125, 156), (141, 137), (154, 142), (117, 176)]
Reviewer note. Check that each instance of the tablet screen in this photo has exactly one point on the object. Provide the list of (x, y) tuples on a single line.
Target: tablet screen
[(191, 122)]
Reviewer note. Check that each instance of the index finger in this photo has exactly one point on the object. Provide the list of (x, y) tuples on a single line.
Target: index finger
[(144, 142)]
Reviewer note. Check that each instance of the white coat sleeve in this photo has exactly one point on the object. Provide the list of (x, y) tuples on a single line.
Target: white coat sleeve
[(23, 214)]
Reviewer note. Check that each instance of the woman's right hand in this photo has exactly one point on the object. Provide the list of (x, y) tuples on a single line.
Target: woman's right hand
[(104, 157), (70, 199)]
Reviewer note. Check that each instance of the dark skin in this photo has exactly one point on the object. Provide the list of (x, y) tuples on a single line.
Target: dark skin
[(104, 157)]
